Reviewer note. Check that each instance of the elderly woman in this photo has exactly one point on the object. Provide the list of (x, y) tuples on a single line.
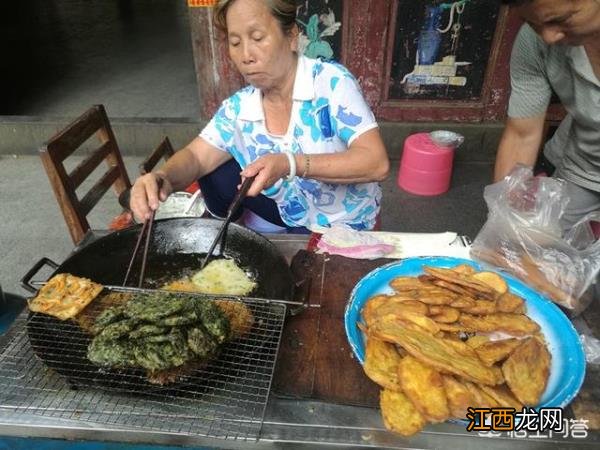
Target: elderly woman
[(301, 127)]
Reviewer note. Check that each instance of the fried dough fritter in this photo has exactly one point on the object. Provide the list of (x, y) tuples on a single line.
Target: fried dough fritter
[(64, 296)]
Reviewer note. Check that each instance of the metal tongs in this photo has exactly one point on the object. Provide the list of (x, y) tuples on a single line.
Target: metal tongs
[(235, 204), (146, 229)]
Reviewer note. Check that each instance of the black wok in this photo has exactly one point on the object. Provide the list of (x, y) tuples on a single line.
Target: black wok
[(176, 249)]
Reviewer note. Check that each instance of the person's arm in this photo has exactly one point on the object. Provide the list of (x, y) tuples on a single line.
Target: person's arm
[(520, 143), (366, 160), (529, 99), (188, 164)]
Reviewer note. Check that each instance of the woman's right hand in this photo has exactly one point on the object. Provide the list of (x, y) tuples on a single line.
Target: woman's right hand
[(146, 194)]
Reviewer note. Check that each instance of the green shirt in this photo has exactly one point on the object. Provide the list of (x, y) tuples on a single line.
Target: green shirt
[(536, 69)]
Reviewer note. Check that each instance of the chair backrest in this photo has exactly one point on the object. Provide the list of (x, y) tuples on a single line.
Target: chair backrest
[(164, 150), (64, 144)]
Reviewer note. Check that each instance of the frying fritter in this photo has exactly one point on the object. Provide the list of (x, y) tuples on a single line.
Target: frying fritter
[(399, 413), (425, 389), (240, 317), (147, 329), (436, 352), (213, 320), (201, 342), (155, 306), (381, 363), (111, 353), (64, 296), (526, 371)]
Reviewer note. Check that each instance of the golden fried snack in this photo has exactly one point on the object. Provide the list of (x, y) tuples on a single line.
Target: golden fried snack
[(493, 280), (502, 395), (443, 313), (459, 397), (425, 389), (477, 340), (64, 296), (436, 352), (480, 397), (480, 308), (435, 297), (381, 363), (240, 317), (526, 371), (403, 284), (463, 302), (183, 285), (464, 268), (481, 290), (399, 414), (515, 324), (509, 303), (492, 352)]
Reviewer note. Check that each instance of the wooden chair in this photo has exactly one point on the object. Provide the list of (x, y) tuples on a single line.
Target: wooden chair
[(164, 150), (64, 144)]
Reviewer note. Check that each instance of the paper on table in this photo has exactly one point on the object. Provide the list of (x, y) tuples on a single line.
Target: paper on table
[(423, 244)]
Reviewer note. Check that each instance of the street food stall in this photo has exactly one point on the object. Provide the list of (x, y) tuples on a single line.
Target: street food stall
[(366, 339)]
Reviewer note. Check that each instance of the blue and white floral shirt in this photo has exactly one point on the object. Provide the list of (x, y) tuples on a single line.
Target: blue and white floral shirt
[(328, 113)]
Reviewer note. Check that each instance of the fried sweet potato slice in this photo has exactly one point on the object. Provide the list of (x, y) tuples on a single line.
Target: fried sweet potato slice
[(492, 352), (526, 371), (403, 284), (435, 352), (477, 340), (464, 268), (514, 324), (381, 363), (482, 290), (399, 414), (480, 398), (502, 395), (509, 303), (458, 395), (443, 313), (480, 308), (493, 280), (424, 387)]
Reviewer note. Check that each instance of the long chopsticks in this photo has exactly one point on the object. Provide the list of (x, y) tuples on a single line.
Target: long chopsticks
[(235, 204), (147, 230)]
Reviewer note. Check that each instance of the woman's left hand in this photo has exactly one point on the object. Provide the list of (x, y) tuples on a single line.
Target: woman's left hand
[(268, 170)]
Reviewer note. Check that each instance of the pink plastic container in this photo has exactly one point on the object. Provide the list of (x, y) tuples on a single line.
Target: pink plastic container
[(425, 168)]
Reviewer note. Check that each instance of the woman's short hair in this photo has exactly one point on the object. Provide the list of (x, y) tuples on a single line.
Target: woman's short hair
[(283, 10)]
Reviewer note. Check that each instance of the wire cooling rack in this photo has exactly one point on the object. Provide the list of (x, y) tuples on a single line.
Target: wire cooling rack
[(224, 398)]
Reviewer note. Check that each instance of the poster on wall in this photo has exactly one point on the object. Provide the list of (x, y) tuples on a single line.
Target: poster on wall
[(320, 23), (442, 48)]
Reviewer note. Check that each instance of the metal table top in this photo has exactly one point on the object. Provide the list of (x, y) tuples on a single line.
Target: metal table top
[(296, 423)]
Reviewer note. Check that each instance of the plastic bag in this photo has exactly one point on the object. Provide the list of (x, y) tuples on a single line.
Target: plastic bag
[(523, 235), (347, 242)]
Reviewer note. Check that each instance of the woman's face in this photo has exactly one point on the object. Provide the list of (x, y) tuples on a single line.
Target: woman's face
[(257, 45), (569, 22)]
